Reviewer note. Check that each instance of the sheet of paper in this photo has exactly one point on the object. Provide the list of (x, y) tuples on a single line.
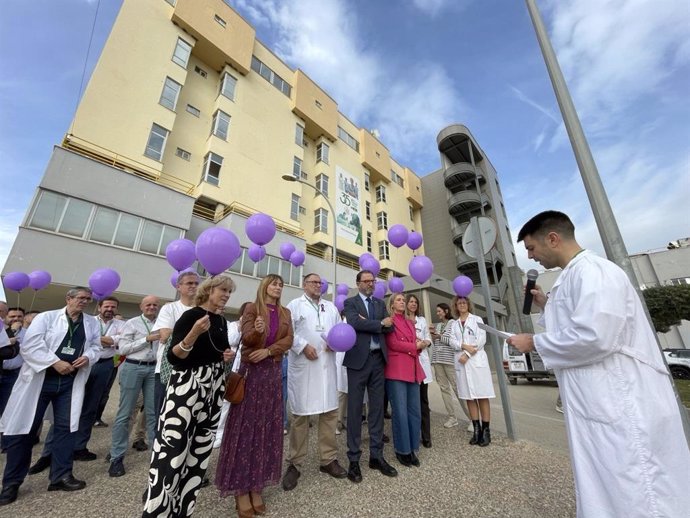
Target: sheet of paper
[(501, 334)]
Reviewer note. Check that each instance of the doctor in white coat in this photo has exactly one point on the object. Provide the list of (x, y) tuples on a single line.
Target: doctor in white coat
[(629, 454), (58, 350), (312, 381)]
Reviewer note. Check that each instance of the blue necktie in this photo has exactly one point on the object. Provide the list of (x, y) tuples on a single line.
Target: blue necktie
[(370, 310)]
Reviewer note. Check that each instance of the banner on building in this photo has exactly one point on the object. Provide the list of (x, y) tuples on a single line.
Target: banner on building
[(348, 201)]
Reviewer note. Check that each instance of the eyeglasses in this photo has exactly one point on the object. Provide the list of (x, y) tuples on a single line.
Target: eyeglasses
[(83, 299), (190, 284), (368, 281), (315, 283)]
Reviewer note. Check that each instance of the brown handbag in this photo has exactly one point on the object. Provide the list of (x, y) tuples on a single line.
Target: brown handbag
[(234, 388)]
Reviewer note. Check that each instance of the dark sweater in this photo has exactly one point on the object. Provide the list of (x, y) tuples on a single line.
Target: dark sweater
[(204, 352)]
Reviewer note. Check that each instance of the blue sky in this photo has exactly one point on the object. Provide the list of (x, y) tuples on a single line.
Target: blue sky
[(409, 68)]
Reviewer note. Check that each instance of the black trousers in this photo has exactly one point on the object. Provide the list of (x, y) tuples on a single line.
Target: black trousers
[(371, 378), (426, 415)]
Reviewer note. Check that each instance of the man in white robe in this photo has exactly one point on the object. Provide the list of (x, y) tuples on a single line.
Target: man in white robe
[(312, 385), (629, 453)]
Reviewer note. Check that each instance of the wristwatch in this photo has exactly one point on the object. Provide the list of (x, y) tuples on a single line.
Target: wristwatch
[(270, 353)]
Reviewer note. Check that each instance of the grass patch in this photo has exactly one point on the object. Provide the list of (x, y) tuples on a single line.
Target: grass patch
[(683, 387)]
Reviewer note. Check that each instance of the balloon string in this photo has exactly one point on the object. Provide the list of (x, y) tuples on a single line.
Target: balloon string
[(31, 307)]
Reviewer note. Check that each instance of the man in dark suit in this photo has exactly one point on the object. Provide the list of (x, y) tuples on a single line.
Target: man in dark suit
[(365, 363)]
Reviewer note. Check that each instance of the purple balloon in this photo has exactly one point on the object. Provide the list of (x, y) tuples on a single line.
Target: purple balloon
[(324, 285), (342, 337), (380, 289), (217, 249), (104, 281), (39, 279), (180, 254), (297, 258), (342, 289), (462, 285), (260, 228), (414, 240), (16, 281), (363, 258), (396, 285), (371, 264), (286, 250), (100, 296), (173, 279), (397, 235), (421, 268), (256, 253), (340, 302)]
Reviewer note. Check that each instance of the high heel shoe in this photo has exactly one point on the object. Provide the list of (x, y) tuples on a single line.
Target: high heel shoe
[(258, 508), (243, 513)]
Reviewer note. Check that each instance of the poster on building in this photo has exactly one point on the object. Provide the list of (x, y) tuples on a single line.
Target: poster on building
[(349, 225)]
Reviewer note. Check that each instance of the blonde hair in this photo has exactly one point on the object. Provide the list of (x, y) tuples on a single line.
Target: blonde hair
[(203, 292), (392, 299), (454, 305), (260, 302)]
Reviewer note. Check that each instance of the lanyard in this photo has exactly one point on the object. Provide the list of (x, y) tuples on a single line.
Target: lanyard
[(71, 330), (316, 308), (148, 329), (463, 327), (107, 327)]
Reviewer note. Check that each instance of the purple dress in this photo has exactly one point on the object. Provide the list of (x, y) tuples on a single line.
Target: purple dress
[(251, 453)]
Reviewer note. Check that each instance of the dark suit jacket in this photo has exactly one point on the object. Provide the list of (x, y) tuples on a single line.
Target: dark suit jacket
[(355, 309)]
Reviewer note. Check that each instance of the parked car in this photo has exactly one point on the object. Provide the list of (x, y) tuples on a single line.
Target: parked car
[(678, 363)]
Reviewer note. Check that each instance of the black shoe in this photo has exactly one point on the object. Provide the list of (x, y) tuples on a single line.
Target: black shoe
[(140, 445), (84, 455), (382, 466), (290, 478), (486, 435), (404, 459), (205, 483), (385, 438), (477, 433), (41, 464), (334, 469), (8, 494), (414, 460), (100, 424), (67, 483), (117, 468), (354, 473), (426, 444)]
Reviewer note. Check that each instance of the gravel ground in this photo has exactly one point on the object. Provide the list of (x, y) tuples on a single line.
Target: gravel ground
[(506, 479)]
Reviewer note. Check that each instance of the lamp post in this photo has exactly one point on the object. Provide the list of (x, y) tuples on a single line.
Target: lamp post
[(290, 178)]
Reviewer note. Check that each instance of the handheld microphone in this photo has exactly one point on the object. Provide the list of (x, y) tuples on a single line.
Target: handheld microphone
[(531, 283)]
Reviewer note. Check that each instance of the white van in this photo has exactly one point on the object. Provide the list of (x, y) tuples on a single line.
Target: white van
[(529, 366)]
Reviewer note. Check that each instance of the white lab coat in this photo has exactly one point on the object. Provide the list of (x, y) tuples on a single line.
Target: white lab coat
[(628, 450), (42, 339), (474, 376), (312, 384), (422, 331)]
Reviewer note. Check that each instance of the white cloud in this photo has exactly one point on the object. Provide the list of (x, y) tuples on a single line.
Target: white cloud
[(431, 7)]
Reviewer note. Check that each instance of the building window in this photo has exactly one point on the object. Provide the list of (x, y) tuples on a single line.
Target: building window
[(397, 178), (318, 104), (219, 21), (294, 207), (221, 124), (156, 144), (366, 181), (212, 165), (348, 139), (297, 168), (380, 193), (182, 52), (411, 213), (200, 71), (368, 241), (171, 90), (321, 220), (322, 184), (227, 86), (171, 2), (193, 110), (384, 254), (382, 220), (367, 210), (270, 76), (322, 152), (299, 135), (186, 155)]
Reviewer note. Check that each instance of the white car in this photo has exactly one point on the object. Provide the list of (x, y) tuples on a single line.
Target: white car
[(678, 363)]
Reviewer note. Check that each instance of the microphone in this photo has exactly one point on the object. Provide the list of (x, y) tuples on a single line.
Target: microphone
[(531, 283)]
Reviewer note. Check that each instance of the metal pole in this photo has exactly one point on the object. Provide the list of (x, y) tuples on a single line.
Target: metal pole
[(496, 348), (601, 208)]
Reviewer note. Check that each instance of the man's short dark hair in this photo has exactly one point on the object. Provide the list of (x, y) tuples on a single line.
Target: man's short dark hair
[(548, 221), (17, 309), (111, 299), (304, 278), (73, 292), (359, 274)]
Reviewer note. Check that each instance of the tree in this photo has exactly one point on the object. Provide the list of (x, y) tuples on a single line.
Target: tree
[(668, 305)]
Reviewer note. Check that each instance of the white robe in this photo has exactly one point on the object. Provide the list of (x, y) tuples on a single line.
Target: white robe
[(474, 376), (422, 331), (628, 450), (312, 384), (42, 339)]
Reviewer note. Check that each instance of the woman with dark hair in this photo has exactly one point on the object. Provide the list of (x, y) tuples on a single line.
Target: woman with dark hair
[(472, 367), (191, 408), (251, 453), (423, 335)]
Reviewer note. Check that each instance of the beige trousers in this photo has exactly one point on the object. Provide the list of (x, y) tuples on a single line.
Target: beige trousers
[(444, 375), (299, 438), (138, 420)]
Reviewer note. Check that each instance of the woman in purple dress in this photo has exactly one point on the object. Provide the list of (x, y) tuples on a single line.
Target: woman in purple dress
[(251, 454)]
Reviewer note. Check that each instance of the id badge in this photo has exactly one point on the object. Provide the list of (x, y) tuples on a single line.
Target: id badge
[(319, 328), (68, 350)]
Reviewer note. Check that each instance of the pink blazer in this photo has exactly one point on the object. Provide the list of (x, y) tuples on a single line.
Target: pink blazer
[(403, 356)]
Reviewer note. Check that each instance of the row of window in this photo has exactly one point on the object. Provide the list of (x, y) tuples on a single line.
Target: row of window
[(77, 218), (348, 139), (269, 75)]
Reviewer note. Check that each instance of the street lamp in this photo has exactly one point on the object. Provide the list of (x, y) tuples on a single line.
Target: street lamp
[(290, 178)]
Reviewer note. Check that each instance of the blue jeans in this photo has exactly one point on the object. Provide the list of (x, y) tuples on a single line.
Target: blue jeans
[(58, 391), (285, 391), (407, 415), (133, 380)]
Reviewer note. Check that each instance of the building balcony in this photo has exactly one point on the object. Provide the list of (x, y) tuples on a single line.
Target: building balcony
[(465, 203), (459, 175), (454, 142), (458, 230)]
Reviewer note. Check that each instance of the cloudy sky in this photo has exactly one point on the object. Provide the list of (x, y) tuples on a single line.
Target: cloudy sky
[(408, 68)]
